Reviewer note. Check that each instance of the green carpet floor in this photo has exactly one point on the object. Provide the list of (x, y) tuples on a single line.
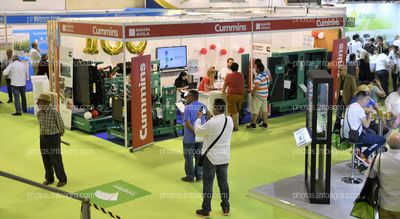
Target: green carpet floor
[(258, 157)]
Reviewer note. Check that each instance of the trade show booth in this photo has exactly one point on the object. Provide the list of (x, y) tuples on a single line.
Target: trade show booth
[(149, 52)]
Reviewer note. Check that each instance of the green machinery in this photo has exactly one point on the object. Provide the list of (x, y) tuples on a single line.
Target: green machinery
[(288, 68), (163, 109)]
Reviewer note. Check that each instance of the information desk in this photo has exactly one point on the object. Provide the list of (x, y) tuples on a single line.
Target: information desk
[(207, 98)]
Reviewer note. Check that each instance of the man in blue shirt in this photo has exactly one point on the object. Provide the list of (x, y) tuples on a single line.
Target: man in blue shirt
[(191, 148)]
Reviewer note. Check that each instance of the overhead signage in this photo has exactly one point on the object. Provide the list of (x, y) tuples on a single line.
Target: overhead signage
[(142, 31), (99, 30), (297, 23), (43, 18), (193, 29)]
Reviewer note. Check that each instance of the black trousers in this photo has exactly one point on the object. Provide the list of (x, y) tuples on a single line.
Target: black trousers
[(51, 156), (394, 80), (383, 76), (9, 89)]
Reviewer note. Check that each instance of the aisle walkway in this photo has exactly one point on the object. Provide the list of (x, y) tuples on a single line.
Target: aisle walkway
[(258, 157)]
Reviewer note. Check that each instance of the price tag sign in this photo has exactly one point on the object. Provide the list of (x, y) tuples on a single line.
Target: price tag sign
[(302, 137)]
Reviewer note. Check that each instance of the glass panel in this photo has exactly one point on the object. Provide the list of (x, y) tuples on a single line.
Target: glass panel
[(322, 111), (310, 105)]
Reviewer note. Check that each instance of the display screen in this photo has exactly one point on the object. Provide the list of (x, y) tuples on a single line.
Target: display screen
[(172, 57)]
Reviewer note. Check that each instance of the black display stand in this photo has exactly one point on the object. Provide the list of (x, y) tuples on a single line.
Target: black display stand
[(319, 123)]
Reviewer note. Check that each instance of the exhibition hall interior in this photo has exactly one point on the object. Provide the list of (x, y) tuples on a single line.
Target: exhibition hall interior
[(199, 109)]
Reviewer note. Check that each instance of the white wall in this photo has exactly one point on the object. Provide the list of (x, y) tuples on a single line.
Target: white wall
[(212, 58), (102, 4), (38, 5)]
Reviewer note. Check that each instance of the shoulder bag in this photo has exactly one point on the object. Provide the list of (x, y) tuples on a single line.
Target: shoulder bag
[(353, 134), (203, 156), (367, 203)]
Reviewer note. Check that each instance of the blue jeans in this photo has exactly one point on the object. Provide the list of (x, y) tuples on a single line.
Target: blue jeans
[(209, 171), (373, 141), (17, 91), (191, 150)]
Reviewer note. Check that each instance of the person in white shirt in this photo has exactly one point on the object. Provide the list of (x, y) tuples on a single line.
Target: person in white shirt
[(227, 68), (389, 178), (396, 42), (355, 46), (217, 158), (393, 60), (35, 57), (392, 102), (382, 66), (18, 75), (355, 119)]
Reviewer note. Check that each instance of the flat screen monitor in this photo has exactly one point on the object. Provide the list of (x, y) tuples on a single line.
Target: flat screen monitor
[(172, 57)]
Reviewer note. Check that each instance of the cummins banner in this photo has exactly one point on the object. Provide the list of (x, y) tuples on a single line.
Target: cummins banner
[(141, 109)]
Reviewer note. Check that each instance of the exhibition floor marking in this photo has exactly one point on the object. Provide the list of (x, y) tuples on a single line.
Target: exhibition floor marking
[(114, 193)]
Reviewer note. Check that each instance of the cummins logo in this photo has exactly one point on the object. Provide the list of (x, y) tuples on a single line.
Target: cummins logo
[(143, 98), (230, 28), (105, 32), (327, 23)]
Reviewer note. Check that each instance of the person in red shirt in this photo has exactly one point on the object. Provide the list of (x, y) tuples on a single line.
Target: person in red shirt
[(234, 88), (207, 83)]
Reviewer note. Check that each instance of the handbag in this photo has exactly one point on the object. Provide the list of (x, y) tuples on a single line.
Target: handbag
[(353, 134), (203, 156), (366, 205)]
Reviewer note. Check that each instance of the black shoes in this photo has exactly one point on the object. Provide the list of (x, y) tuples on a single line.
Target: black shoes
[(251, 126), (198, 179), (264, 125), (202, 213), (17, 114), (225, 212), (46, 182), (9, 101), (235, 129), (187, 179), (61, 184)]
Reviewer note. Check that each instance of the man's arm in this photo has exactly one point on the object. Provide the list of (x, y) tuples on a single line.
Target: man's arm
[(366, 121), (224, 87), (205, 129), (189, 126), (60, 123), (7, 70)]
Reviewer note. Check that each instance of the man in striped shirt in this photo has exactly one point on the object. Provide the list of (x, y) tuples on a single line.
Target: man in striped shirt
[(259, 97)]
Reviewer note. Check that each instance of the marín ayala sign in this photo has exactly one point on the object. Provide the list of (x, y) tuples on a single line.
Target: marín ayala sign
[(187, 29)]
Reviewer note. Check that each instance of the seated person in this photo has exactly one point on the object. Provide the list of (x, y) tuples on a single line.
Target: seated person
[(355, 119), (371, 107), (375, 88), (181, 82), (207, 83)]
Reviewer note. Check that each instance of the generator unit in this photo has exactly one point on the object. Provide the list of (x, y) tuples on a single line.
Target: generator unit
[(288, 68)]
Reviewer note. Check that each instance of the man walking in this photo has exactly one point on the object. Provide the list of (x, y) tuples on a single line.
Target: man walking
[(35, 57), (4, 64), (216, 160), (191, 148), (234, 87), (51, 130), (382, 66), (18, 75), (259, 97)]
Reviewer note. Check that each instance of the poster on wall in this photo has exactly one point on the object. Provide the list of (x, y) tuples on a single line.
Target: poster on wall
[(6, 39), (141, 113), (308, 41), (65, 85), (373, 19)]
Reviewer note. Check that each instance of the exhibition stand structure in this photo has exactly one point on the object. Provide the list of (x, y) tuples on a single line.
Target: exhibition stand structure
[(165, 32)]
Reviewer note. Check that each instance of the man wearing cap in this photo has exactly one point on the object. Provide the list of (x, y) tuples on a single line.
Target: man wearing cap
[(18, 74), (51, 130)]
